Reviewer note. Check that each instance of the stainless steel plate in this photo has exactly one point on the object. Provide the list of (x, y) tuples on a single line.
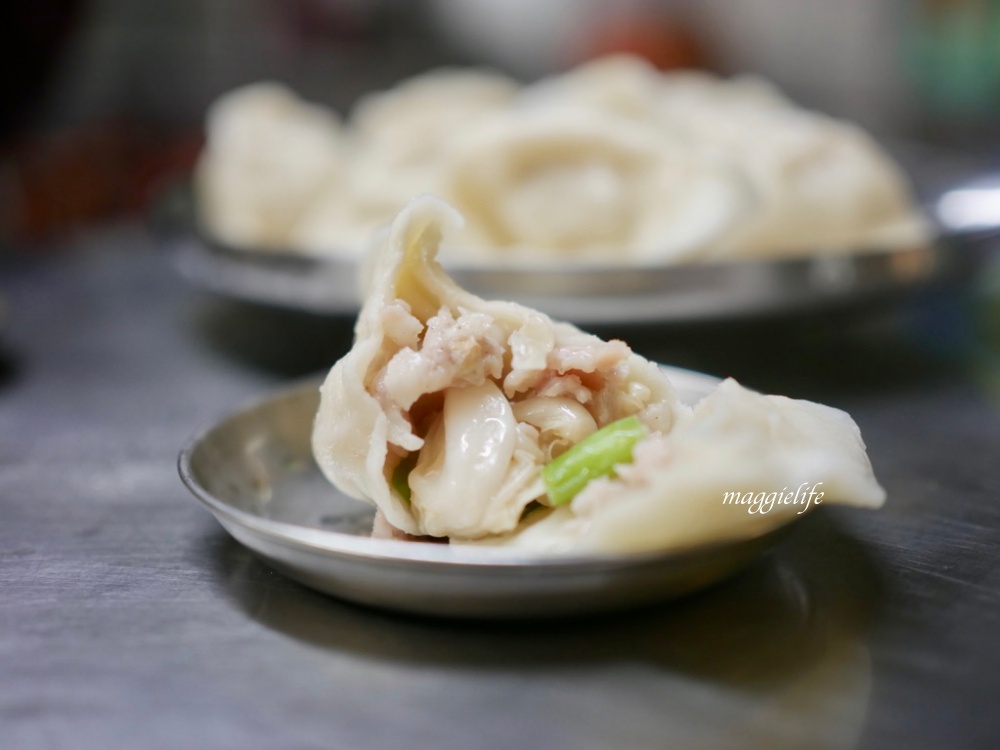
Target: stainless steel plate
[(255, 472), (584, 294)]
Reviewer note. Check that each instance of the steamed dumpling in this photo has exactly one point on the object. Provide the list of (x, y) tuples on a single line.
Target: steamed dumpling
[(738, 464), (631, 87), (447, 408), (613, 162), (621, 85), (472, 396), (400, 140), (413, 123), (268, 154), (582, 185), (821, 184)]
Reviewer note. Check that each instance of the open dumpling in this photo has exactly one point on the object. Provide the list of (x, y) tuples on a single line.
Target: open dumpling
[(457, 418), (739, 463), (459, 402)]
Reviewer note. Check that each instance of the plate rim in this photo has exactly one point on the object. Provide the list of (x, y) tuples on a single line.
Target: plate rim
[(265, 275)]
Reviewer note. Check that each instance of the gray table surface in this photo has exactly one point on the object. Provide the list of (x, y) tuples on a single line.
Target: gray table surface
[(128, 619)]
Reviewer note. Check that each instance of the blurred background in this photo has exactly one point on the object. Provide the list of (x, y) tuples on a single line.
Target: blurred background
[(102, 105)]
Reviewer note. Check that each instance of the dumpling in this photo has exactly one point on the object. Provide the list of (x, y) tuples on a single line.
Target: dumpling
[(819, 184), (631, 87), (399, 140), (697, 103), (738, 464), (412, 122), (572, 184), (267, 155), (822, 184), (443, 392), (611, 162), (622, 85), (455, 417)]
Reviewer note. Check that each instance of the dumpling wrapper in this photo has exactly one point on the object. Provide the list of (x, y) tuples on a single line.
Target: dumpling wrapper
[(604, 163), (631, 87), (422, 346), (738, 464), (823, 185), (268, 154), (624, 85), (820, 185), (579, 184), (474, 390), (412, 122), (399, 141)]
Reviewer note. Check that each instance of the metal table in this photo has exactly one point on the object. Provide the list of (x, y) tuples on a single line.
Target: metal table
[(128, 619)]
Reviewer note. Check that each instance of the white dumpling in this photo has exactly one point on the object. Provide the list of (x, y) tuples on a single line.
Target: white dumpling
[(545, 186), (691, 100), (448, 407), (267, 155), (412, 122), (613, 161), (739, 464), (822, 184), (436, 379), (629, 86), (334, 223), (399, 141), (622, 85), (403, 136), (819, 184)]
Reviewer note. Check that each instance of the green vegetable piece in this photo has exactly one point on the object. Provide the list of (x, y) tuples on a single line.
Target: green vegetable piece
[(594, 456), (401, 476)]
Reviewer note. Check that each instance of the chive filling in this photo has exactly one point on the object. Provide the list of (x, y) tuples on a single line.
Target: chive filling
[(595, 456), (400, 480)]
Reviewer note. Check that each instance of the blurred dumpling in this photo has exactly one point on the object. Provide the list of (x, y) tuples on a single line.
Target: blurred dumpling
[(621, 85), (573, 184), (399, 140), (444, 392), (819, 184), (267, 155), (413, 122), (822, 184), (631, 87), (613, 162), (692, 100)]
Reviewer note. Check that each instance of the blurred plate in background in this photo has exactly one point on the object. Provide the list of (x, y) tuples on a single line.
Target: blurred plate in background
[(587, 294)]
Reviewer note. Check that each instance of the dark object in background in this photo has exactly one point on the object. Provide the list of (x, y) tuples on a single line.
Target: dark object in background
[(69, 177), (33, 33), (952, 52)]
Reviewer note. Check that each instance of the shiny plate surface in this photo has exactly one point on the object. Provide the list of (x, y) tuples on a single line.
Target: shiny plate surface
[(584, 294), (255, 472)]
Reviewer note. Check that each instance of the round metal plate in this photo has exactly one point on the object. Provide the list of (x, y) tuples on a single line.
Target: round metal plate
[(583, 294), (255, 472)]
